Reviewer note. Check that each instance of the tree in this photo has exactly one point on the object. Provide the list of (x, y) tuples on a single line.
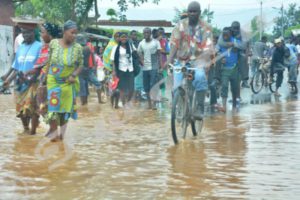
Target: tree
[(255, 28), (59, 11), (291, 17), (206, 15), (112, 13), (288, 32), (122, 17), (178, 14)]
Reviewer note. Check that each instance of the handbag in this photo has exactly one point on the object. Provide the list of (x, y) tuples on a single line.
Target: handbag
[(100, 74), (41, 99), (135, 62)]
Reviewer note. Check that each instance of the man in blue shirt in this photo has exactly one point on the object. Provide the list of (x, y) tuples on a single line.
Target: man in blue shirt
[(291, 62), (228, 69)]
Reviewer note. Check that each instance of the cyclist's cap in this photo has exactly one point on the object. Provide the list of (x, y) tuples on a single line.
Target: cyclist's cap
[(278, 40)]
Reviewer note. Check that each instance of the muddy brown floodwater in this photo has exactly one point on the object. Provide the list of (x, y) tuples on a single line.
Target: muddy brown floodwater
[(129, 154)]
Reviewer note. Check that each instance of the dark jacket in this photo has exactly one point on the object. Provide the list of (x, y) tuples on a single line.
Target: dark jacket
[(277, 60)]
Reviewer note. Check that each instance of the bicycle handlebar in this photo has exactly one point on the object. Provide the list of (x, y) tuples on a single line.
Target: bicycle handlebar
[(179, 68)]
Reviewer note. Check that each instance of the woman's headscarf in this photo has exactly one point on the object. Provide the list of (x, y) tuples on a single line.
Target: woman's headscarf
[(70, 25), (107, 52)]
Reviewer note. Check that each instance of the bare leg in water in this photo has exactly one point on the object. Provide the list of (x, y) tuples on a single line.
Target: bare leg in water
[(123, 98), (25, 122), (63, 127), (34, 124), (149, 101), (53, 132)]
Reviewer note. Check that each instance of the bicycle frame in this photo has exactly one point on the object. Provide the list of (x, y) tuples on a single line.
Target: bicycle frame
[(185, 98), (263, 67), (186, 87)]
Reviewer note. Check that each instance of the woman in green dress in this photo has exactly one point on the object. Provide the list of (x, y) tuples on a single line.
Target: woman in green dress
[(65, 64)]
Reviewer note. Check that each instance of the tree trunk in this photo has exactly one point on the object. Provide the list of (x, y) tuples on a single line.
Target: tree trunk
[(7, 11), (73, 16), (97, 15), (83, 18)]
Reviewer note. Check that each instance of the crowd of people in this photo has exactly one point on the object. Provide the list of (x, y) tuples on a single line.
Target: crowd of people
[(50, 75)]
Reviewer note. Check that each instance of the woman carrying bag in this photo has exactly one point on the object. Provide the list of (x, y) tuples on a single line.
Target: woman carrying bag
[(124, 67)]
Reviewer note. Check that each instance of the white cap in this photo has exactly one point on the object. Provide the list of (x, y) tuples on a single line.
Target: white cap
[(278, 40)]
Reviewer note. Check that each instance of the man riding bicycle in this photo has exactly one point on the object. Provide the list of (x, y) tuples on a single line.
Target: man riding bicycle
[(191, 42)]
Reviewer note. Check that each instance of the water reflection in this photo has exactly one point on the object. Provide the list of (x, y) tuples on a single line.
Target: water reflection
[(188, 173), (128, 154)]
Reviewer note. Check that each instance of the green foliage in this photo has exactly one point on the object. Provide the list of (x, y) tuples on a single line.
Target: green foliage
[(291, 17), (288, 32), (206, 15), (122, 17), (58, 11), (112, 13), (255, 29), (178, 14), (216, 31)]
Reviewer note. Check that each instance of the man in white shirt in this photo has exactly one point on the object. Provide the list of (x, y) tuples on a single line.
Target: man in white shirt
[(149, 51)]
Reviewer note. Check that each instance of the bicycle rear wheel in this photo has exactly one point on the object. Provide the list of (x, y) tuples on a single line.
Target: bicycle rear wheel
[(272, 86), (294, 88), (178, 117), (197, 124), (257, 82)]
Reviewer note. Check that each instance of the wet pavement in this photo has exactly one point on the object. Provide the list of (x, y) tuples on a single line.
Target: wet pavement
[(129, 154)]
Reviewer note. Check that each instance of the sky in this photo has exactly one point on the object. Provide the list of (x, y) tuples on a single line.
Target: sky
[(224, 11)]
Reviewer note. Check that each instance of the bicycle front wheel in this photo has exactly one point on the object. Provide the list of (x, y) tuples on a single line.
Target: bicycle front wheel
[(257, 82), (294, 88), (272, 86), (178, 118)]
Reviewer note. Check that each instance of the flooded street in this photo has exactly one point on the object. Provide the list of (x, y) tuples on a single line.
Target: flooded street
[(129, 154)]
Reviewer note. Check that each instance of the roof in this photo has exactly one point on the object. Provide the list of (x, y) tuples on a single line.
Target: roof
[(27, 20), (96, 36), (135, 23)]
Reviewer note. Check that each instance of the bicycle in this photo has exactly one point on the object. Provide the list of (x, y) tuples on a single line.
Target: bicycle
[(261, 77), (183, 103)]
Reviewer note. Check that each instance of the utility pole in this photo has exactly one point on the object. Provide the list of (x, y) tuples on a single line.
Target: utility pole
[(208, 12), (282, 18), (261, 21), (282, 22), (208, 17)]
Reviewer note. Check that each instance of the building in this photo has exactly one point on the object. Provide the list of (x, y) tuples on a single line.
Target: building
[(137, 25), (6, 35)]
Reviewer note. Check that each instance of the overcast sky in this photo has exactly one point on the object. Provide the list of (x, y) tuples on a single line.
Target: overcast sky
[(225, 11)]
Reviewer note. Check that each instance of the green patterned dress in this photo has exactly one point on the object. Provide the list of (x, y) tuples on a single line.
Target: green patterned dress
[(61, 94)]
